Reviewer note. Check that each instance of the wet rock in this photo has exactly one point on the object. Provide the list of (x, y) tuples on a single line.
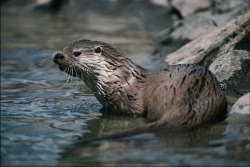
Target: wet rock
[(239, 117), (242, 105), (191, 6), (211, 43), (225, 10), (180, 33), (177, 35), (227, 64), (221, 11), (232, 70)]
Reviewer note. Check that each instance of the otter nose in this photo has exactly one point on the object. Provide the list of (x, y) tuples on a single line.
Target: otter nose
[(58, 56)]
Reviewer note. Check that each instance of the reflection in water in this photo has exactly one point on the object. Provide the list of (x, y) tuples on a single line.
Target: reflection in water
[(188, 147), (199, 136)]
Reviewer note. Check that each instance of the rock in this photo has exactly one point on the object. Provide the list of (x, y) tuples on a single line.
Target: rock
[(191, 6), (180, 33), (183, 31), (232, 70), (210, 43), (221, 11), (227, 64), (242, 105), (238, 117), (225, 10)]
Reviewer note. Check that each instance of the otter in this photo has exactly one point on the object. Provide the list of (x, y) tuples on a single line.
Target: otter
[(178, 96)]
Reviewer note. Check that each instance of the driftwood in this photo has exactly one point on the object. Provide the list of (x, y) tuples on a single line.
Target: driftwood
[(219, 39)]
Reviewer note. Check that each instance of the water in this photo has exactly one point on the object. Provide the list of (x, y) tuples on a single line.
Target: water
[(44, 111)]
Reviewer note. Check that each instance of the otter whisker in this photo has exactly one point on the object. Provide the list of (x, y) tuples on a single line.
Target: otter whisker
[(49, 64), (72, 74), (68, 71), (83, 69), (76, 74), (69, 75), (46, 59)]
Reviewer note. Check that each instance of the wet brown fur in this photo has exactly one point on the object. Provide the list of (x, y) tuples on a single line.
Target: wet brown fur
[(183, 95)]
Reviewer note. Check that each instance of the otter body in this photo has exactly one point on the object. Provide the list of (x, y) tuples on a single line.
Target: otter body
[(178, 96)]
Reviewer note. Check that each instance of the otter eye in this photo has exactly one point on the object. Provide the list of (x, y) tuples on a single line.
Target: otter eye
[(98, 50), (77, 54)]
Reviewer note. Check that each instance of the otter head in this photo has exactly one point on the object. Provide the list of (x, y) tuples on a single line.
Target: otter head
[(93, 61), (104, 70), (83, 57)]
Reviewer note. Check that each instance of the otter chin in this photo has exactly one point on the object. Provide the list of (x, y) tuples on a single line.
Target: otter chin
[(184, 95)]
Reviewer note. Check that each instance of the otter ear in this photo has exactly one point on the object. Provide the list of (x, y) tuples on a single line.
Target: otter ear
[(98, 50)]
